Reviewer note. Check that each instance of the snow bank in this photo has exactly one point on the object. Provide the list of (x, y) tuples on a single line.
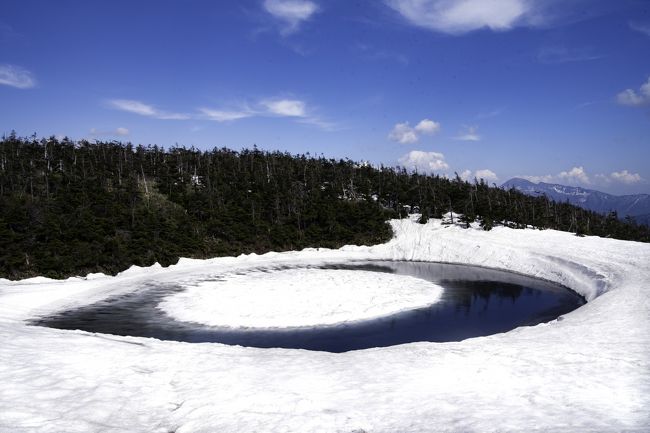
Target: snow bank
[(589, 371), (294, 298)]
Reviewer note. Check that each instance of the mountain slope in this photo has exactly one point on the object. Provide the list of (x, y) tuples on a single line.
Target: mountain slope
[(636, 205)]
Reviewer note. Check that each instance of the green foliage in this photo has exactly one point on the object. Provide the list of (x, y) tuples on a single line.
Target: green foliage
[(68, 208), (71, 208), (486, 223)]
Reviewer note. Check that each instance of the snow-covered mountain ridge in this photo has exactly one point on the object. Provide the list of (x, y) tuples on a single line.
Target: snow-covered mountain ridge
[(635, 205)]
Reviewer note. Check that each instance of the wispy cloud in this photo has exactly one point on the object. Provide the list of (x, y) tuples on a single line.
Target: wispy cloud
[(15, 76), (225, 116), (275, 107), (469, 133), (292, 13), (295, 109), (640, 27), (405, 134), (424, 162), (320, 123), (9, 35), (584, 105), (117, 132), (285, 107), (635, 98), (370, 52), (559, 54), (490, 114), (137, 107), (461, 16)]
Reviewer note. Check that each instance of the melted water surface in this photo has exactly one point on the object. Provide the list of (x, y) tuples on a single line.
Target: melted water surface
[(476, 302)]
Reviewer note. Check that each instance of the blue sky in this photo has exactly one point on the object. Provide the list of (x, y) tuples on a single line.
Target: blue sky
[(556, 90)]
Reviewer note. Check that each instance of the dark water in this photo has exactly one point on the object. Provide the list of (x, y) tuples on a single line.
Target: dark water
[(475, 302)]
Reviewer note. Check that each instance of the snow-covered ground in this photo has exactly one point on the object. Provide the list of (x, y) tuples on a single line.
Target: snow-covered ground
[(589, 371), (296, 298)]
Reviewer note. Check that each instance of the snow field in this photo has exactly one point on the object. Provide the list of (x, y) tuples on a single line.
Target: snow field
[(294, 298), (589, 372)]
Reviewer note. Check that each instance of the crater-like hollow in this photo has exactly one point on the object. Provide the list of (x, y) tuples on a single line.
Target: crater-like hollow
[(333, 308)]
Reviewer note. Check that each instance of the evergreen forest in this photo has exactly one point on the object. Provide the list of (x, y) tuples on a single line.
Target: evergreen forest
[(70, 208)]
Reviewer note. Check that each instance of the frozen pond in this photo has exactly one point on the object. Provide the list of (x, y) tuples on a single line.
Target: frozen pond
[(475, 302)]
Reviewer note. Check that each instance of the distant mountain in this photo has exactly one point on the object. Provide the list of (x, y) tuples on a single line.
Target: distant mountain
[(636, 205)]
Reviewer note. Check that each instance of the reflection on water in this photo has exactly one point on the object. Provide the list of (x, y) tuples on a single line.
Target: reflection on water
[(476, 302)]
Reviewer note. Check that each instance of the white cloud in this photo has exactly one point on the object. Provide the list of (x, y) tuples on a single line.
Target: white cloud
[(641, 27), (403, 133), (424, 162), (225, 116), (291, 12), (626, 177), (426, 126), (15, 76), (143, 109), (576, 175), (485, 174), (635, 98), (630, 97), (461, 16), (285, 107), (645, 89), (117, 132), (547, 178), (469, 134)]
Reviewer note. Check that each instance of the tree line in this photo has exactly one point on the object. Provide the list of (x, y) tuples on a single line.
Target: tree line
[(69, 208)]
